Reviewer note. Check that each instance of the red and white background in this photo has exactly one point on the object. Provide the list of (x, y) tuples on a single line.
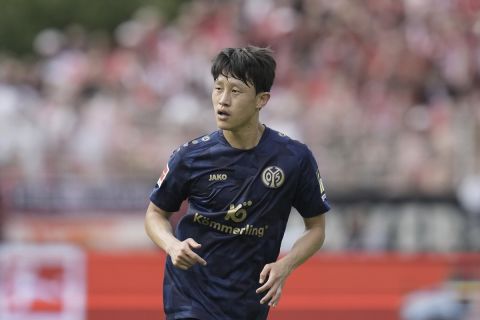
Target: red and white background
[(384, 92), (100, 276)]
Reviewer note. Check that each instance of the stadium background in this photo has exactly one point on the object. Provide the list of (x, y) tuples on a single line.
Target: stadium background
[(94, 98)]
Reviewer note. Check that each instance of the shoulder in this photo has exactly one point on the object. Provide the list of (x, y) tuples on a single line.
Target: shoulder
[(284, 142), (196, 147)]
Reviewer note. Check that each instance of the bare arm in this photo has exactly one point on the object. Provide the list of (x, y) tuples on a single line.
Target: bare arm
[(277, 272), (159, 229), (309, 243)]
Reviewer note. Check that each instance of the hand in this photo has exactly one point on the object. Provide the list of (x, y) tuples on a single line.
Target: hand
[(276, 273), (183, 256)]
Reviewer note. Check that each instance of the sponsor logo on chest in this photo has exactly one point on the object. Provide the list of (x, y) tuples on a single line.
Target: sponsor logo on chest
[(218, 177)]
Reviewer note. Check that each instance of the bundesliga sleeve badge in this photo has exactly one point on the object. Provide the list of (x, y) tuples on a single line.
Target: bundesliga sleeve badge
[(163, 175)]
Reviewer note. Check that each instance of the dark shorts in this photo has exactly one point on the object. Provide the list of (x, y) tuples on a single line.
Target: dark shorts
[(188, 319)]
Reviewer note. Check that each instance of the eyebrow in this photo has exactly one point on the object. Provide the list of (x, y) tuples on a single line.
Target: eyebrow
[(233, 81)]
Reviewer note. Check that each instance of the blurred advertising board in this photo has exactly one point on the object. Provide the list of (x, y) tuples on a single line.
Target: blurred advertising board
[(42, 282), (92, 230)]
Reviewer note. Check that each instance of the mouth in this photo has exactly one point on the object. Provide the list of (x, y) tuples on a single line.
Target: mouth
[(222, 114)]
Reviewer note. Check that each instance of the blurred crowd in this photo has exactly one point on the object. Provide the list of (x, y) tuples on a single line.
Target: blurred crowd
[(384, 92)]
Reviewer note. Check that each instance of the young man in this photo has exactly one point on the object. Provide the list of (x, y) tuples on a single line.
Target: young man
[(241, 183)]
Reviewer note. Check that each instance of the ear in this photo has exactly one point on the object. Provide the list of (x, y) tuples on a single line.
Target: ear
[(262, 99)]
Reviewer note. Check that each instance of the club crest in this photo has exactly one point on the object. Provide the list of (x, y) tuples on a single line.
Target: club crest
[(273, 177)]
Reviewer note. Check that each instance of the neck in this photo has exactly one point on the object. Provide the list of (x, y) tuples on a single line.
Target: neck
[(245, 139)]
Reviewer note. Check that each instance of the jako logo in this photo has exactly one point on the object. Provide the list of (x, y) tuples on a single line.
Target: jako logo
[(218, 177), (238, 213)]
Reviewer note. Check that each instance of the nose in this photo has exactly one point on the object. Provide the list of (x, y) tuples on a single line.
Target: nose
[(224, 98)]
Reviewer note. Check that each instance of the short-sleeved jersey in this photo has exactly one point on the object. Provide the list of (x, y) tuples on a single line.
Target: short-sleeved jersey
[(239, 203)]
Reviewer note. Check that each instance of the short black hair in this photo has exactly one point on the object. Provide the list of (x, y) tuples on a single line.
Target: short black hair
[(250, 64)]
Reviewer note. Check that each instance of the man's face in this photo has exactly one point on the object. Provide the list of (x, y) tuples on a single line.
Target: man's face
[(236, 104)]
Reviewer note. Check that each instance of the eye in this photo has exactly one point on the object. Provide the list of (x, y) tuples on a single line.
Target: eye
[(235, 91), (218, 88)]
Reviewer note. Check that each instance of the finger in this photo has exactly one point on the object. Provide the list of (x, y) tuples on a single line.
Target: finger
[(188, 256), (276, 297), (264, 273), (269, 295), (193, 244), (195, 258), (267, 285), (185, 259), (182, 265), (181, 261)]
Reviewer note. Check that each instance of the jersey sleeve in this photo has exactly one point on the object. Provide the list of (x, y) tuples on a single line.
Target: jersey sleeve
[(310, 197), (172, 186)]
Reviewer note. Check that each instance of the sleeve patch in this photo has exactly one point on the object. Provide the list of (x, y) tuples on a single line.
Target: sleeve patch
[(322, 188), (163, 175)]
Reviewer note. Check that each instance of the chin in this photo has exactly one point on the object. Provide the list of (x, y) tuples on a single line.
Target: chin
[(223, 126)]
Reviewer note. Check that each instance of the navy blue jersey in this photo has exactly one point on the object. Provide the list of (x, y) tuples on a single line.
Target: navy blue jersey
[(239, 203)]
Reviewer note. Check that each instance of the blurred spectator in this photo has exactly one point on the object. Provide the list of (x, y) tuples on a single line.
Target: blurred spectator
[(454, 299), (377, 88), (385, 92), (2, 219)]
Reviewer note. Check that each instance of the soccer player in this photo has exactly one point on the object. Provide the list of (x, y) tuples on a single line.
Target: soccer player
[(241, 183)]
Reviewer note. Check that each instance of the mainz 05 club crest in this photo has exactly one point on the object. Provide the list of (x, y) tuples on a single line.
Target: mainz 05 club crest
[(273, 177)]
